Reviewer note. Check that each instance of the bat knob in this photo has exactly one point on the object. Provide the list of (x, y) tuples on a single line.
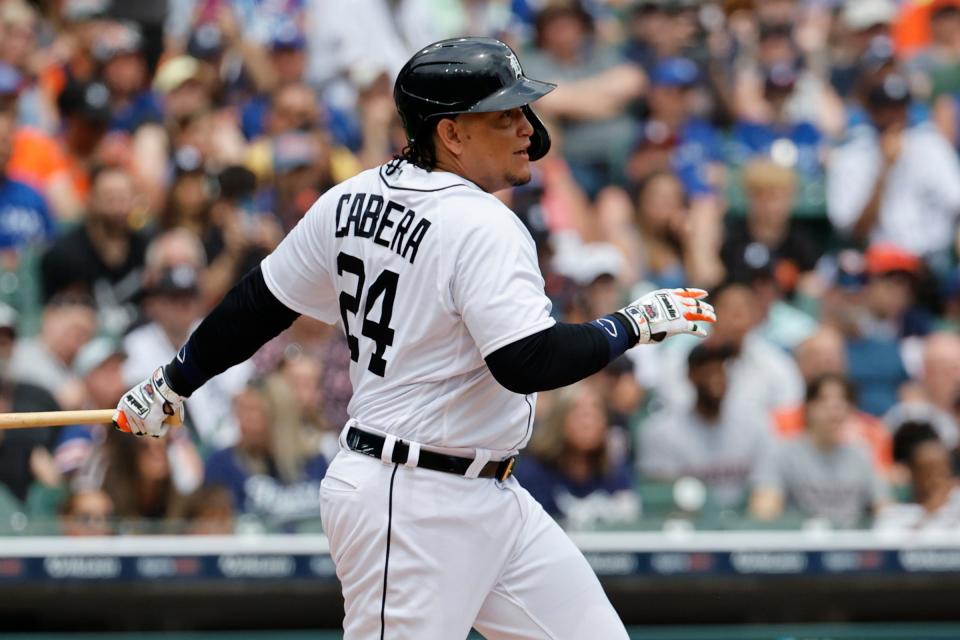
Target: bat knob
[(120, 421)]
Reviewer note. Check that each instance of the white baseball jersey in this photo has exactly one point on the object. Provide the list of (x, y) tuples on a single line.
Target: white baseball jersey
[(427, 275)]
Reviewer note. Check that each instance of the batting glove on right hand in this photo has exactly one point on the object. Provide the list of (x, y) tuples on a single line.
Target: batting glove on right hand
[(149, 408), (668, 312)]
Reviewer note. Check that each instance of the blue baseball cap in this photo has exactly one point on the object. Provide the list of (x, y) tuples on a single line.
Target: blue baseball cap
[(11, 80), (287, 37), (675, 72)]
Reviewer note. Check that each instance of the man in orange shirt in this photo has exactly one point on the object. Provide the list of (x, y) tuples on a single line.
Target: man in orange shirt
[(60, 168)]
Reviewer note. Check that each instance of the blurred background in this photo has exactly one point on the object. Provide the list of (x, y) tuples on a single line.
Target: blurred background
[(798, 158)]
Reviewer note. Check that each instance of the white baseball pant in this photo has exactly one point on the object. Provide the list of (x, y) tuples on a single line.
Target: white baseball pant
[(426, 555)]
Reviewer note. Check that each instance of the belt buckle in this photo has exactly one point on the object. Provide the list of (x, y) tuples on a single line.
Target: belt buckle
[(508, 470)]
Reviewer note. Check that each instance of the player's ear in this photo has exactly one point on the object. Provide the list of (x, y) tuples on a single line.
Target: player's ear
[(449, 136)]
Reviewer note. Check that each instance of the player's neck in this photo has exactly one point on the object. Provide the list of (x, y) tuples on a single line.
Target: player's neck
[(450, 164)]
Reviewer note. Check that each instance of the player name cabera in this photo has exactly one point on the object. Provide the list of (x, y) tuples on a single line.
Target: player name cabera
[(389, 224)]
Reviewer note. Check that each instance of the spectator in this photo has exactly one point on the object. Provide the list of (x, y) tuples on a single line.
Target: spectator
[(295, 113), (81, 22), (659, 30), (876, 188), (87, 512), (371, 33), (25, 219), (571, 470), (68, 323), (595, 87), (767, 236), (937, 62), (935, 494), (912, 409), (184, 85), (60, 167), (882, 317), (674, 138), (775, 131), (936, 68), (949, 296), (287, 65), (299, 176), (824, 353), (862, 23), (237, 233), (123, 69), (299, 377), (653, 236), (761, 378), (594, 268), (777, 93), (173, 307), (270, 472), (208, 511), (190, 197), (378, 119), (136, 473), (136, 139), (104, 256), (623, 397), (99, 365), (24, 453), (818, 475), (940, 377), (709, 441), (19, 48)]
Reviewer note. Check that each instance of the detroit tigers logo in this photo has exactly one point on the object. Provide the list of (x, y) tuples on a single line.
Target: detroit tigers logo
[(514, 64)]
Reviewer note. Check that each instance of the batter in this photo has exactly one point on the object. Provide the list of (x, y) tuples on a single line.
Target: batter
[(436, 285)]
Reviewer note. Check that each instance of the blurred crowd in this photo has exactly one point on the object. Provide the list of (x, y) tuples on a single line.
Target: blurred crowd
[(798, 158)]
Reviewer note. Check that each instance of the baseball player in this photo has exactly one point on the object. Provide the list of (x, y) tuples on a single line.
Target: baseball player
[(436, 285)]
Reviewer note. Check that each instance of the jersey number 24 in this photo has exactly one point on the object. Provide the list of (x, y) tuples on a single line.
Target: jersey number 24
[(379, 331)]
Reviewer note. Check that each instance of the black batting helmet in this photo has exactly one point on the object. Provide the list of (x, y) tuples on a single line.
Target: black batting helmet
[(467, 75)]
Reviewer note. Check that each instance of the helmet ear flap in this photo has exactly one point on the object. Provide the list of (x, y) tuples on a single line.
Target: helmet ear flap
[(540, 140)]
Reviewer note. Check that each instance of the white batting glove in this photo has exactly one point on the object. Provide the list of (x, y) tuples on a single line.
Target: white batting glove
[(668, 312), (149, 408)]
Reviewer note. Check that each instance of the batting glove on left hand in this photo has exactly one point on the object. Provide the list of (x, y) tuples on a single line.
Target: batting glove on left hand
[(668, 312), (149, 408)]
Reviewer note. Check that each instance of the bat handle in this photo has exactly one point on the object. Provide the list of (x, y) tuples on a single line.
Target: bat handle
[(60, 418), (122, 425)]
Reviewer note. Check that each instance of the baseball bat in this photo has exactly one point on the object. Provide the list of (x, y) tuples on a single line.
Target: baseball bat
[(57, 418)]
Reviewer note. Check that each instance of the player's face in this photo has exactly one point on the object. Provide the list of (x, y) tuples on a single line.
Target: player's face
[(495, 148)]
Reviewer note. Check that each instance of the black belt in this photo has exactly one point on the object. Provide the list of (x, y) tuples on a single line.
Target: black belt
[(371, 444)]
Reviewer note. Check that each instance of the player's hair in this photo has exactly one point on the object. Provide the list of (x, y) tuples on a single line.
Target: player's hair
[(423, 155), (549, 443), (422, 151)]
